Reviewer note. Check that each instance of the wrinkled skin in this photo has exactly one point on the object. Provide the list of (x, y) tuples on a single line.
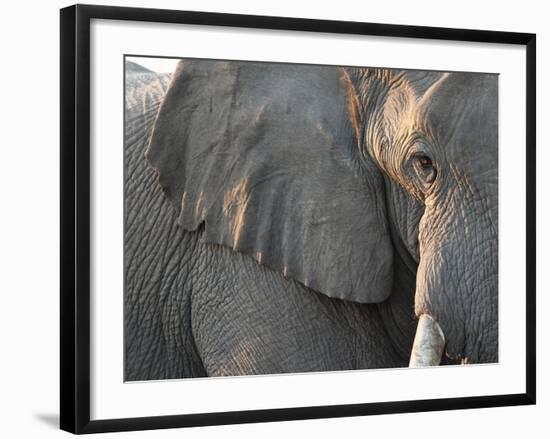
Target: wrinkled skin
[(452, 232), (213, 288)]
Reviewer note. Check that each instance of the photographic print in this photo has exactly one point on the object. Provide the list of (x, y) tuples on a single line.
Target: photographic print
[(289, 218), (292, 219)]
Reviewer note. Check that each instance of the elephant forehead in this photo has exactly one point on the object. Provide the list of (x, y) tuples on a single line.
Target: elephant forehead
[(459, 115)]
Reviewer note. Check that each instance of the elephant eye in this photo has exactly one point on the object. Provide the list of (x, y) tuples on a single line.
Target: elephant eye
[(425, 167), (424, 161)]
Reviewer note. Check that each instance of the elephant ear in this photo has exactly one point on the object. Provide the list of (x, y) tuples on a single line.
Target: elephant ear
[(266, 156)]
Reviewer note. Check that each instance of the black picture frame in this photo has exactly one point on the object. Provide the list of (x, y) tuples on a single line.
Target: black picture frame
[(75, 217)]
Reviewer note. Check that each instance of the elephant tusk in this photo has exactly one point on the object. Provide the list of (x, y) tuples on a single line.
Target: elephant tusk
[(429, 342)]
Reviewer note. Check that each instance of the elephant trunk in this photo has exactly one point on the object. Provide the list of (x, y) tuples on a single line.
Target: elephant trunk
[(429, 342)]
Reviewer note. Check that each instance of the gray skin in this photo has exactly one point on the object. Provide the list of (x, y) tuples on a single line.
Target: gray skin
[(284, 218)]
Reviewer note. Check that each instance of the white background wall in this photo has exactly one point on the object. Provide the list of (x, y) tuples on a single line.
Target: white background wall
[(29, 249)]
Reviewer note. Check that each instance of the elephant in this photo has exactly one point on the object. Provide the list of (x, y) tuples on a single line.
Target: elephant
[(286, 218)]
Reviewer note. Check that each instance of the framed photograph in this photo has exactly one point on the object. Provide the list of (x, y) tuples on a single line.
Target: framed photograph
[(267, 218)]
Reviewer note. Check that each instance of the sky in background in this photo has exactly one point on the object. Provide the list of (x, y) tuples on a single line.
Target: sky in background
[(159, 65)]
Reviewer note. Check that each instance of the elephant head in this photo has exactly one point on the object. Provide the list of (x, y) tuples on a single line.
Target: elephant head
[(321, 173)]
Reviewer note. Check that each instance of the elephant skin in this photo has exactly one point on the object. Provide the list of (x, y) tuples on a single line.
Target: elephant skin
[(287, 218)]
